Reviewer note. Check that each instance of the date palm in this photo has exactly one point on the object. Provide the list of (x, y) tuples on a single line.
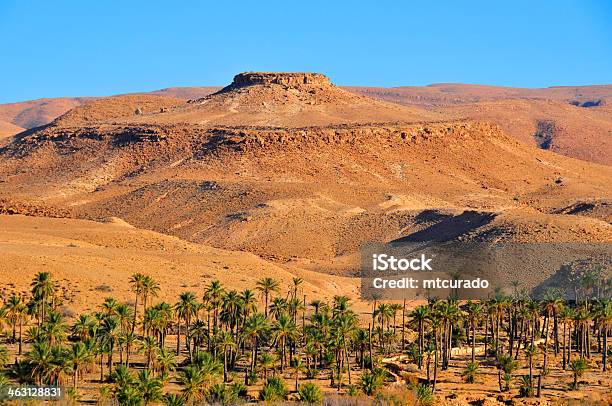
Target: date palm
[(267, 286), (79, 357), (164, 361), (470, 372), (531, 352), (149, 387), (226, 343), (283, 330), (419, 317), (54, 330), (149, 347), (185, 309), (16, 313), (603, 319), (42, 288), (299, 366), (256, 327), (109, 306), (109, 333), (278, 307), (137, 282), (249, 303), (578, 367), (213, 295), (267, 361), (150, 289), (474, 311), (40, 359), (83, 327)]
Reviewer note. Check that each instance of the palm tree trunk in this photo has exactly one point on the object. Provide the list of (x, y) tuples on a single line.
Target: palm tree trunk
[(348, 363), (473, 340), (135, 313), (433, 389), (605, 349), (178, 337)]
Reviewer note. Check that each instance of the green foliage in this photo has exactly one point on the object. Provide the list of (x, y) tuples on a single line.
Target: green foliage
[(222, 394), (352, 390), (310, 393), (172, 399), (371, 382), (274, 389), (578, 367), (424, 394), (525, 386), (470, 372)]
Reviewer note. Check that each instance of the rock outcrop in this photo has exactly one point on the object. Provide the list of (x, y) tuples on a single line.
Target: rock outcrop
[(293, 79)]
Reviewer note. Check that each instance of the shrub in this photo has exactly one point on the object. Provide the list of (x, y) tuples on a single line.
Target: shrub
[(172, 399), (470, 372), (371, 382), (310, 393), (424, 395), (274, 389), (221, 394), (525, 386)]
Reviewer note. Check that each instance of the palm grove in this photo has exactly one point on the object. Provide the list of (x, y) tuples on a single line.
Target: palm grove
[(216, 346)]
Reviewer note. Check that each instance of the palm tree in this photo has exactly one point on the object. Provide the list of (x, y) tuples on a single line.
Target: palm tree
[(41, 359), (226, 343), (284, 329), (267, 286), (79, 357), (530, 352), (255, 328), (420, 316), (578, 366), (267, 361), (150, 388), (192, 381), (150, 288), (296, 284), (164, 361), (43, 288), (508, 365), (566, 316), (16, 313), (173, 399), (137, 281), (83, 327), (109, 333), (149, 347), (603, 314), (213, 296), (470, 372), (474, 311), (298, 367)]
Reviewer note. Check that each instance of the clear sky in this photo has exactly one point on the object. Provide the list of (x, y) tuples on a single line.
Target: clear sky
[(69, 48)]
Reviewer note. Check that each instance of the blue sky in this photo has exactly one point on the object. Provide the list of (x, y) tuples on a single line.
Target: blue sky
[(70, 48)]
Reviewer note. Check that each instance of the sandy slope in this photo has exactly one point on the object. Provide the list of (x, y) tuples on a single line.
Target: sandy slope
[(93, 260)]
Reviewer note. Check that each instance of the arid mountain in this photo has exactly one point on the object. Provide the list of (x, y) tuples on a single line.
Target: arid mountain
[(34, 113), (574, 121), (241, 169)]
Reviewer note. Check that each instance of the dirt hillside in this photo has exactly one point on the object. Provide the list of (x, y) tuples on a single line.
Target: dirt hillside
[(240, 170)]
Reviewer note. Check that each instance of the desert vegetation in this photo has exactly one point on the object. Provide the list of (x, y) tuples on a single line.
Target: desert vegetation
[(272, 343)]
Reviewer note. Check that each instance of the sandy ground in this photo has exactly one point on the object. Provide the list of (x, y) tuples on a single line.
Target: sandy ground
[(94, 260)]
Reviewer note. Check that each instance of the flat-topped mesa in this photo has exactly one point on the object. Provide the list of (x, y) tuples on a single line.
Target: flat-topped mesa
[(290, 79)]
